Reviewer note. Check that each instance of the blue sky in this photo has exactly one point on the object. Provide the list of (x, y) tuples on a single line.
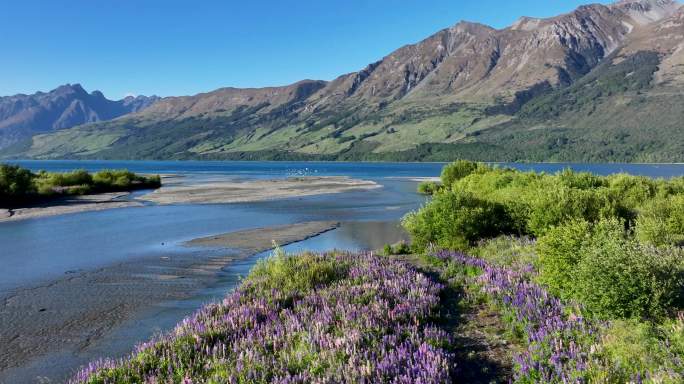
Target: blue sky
[(173, 47)]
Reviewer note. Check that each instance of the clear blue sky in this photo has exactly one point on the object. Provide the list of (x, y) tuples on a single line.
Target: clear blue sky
[(172, 47)]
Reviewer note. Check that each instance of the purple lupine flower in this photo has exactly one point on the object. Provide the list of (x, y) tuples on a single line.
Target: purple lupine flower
[(368, 326)]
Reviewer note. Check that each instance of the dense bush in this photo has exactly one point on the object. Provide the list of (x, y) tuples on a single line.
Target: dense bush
[(536, 202), (559, 254), (456, 220), (458, 170), (428, 187), (401, 248), (613, 275), (15, 183), (20, 186), (661, 221)]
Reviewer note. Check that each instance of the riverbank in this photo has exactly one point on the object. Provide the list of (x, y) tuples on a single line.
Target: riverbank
[(51, 329)]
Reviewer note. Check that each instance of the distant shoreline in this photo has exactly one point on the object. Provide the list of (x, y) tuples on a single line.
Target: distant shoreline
[(216, 192)]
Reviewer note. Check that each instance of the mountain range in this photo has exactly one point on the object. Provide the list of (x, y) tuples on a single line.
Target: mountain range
[(23, 116), (601, 83)]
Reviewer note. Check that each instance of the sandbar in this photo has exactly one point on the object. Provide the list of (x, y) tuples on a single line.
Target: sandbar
[(218, 192), (255, 240), (70, 204)]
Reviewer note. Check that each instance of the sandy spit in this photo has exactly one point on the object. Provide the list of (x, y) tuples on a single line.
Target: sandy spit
[(255, 190), (258, 239), (72, 204)]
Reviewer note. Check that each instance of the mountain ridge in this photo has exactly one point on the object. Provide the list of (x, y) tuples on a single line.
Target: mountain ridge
[(453, 91), (66, 106)]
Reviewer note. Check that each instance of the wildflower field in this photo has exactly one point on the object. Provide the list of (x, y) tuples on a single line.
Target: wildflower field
[(354, 318)]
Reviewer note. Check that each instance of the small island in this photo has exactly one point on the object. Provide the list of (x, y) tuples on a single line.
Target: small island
[(25, 194)]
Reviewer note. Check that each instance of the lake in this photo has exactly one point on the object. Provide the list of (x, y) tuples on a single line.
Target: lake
[(37, 251)]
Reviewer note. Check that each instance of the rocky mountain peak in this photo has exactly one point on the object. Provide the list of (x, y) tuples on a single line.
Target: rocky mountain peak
[(68, 89), (68, 105), (647, 11)]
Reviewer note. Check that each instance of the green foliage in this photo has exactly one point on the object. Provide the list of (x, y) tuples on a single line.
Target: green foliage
[(15, 183), (124, 179), (428, 187), (20, 186), (455, 220), (629, 346), (596, 233), (554, 206), (458, 170), (661, 221), (559, 254), (295, 273), (400, 248), (602, 267), (516, 252), (536, 202)]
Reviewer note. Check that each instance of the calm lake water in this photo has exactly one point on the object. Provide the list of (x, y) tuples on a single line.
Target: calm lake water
[(39, 249)]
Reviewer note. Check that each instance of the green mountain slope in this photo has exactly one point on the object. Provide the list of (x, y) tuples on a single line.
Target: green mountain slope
[(603, 83)]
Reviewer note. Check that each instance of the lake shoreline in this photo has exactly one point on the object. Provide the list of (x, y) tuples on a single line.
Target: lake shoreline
[(222, 192), (67, 326)]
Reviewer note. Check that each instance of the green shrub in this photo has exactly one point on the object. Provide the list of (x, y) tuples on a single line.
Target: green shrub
[(455, 220), (402, 249), (428, 187), (458, 170), (661, 221), (580, 180), (633, 190), (20, 186), (114, 178), (78, 177), (509, 251), (553, 207), (15, 183), (559, 253), (617, 277), (387, 250)]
